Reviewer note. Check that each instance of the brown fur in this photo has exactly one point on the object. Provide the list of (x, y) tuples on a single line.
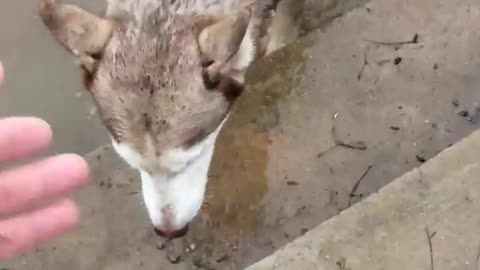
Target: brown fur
[(153, 82)]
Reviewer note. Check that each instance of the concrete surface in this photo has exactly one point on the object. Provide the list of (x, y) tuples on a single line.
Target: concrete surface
[(426, 219), (42, 80), (278, 171)]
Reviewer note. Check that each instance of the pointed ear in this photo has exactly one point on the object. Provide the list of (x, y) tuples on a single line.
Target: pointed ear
[(80, 32), (231, 44), (218, 42)]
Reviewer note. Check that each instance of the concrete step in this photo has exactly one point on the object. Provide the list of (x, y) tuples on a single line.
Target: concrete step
[(427, 219)]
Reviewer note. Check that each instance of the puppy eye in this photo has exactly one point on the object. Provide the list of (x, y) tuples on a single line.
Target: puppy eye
[(205, 63), (208, 81)]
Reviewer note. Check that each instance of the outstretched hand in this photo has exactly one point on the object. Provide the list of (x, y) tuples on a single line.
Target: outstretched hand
[(34, 203)]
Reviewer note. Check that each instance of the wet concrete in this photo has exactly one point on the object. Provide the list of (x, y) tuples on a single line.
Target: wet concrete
[(42, 80), (279, 170), (426, 219)]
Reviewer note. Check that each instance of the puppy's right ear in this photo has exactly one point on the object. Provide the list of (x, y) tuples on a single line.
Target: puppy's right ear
[(83, 34)]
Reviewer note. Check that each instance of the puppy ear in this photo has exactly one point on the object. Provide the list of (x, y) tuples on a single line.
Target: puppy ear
[(220, 41), (83, 34), (232, 43)]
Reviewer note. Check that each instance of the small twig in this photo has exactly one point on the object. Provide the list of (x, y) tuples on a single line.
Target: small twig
[(326, 151), (357, 145), (429, 238), (357, 184), (414, 40), (342, 264), (365, 64)]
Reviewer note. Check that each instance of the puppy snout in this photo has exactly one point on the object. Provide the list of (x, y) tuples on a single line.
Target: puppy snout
[(171, 233)]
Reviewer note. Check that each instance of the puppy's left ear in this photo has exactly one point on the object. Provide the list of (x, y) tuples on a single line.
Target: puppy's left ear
[(83, 34)]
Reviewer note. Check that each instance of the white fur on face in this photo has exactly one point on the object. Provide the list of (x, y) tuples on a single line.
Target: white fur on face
[(174, 199)]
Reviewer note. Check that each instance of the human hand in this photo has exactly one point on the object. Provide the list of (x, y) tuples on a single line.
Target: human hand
[(34, 207)]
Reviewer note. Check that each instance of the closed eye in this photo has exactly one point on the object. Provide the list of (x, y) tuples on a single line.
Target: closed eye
[(209, 82)]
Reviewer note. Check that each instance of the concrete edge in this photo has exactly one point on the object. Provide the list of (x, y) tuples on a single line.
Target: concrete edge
[(445, 159)]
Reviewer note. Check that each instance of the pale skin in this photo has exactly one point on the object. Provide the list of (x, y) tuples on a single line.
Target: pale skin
[(34, 198)]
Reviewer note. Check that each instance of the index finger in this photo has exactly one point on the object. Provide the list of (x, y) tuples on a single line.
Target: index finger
[(21, 137), (24, 187)]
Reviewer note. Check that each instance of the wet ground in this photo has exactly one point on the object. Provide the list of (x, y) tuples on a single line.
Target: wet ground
[(43, 81), (323, 124)]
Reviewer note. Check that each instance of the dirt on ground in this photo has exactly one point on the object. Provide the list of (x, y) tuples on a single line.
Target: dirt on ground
[(323, 124)]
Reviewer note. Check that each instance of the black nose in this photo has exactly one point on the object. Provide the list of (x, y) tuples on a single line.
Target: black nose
[(172, 234)]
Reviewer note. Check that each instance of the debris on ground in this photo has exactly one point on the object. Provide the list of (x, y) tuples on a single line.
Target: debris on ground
[(357, 184), (421, 159)]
